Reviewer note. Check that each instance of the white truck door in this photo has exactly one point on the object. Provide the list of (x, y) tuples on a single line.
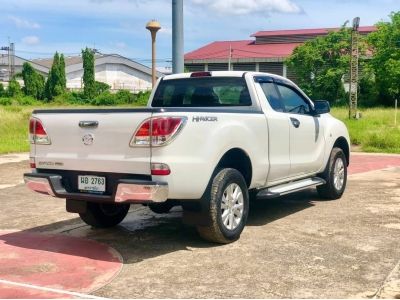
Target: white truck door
[(278, 128), (306, 132)]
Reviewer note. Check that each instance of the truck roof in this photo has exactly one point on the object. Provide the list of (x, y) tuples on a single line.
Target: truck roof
[(221, 74)]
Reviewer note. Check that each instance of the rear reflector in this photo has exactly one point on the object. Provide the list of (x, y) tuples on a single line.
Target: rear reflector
[(160, 169), (32, 163), (200, 74), (157, 131), (37, 133)]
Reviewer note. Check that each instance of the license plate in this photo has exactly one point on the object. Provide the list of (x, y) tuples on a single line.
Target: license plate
[(93, 184)]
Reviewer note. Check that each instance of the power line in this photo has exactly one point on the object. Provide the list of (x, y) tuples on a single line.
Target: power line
[(78, 53)]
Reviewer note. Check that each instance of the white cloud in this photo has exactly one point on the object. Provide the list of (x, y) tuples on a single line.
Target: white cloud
[(23, 23), (246, 7), (166, 30), (31, 40), (120, 45)]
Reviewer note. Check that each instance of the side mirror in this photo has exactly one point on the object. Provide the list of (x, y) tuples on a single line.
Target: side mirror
[(321, 107)]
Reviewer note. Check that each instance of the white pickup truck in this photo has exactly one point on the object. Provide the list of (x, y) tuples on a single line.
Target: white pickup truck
[(207, 141)]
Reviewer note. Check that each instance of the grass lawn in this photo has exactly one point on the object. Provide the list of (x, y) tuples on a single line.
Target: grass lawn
[(14, 128), (375, 132)]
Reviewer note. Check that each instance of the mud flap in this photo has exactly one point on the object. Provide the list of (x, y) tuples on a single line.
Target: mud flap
[(76, 206)]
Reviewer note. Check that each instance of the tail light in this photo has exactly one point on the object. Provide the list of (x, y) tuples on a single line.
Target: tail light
[(37, 133), (157, 131)]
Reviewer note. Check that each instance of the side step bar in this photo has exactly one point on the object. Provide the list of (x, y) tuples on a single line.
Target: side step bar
[(290, 187)]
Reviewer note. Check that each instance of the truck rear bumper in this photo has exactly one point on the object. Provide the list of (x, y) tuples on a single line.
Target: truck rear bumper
[(127, 190)]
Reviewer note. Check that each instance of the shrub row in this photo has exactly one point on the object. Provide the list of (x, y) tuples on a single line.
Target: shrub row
[(106, 98)]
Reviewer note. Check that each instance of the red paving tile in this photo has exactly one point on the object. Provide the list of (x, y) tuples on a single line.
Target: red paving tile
[(54, 261), (364, 163), (12, 292)]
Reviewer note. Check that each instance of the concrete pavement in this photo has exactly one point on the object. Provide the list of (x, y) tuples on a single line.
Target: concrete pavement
[(294, 247)]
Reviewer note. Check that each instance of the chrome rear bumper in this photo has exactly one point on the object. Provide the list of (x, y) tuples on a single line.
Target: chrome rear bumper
[(127, 191), (155, 192)]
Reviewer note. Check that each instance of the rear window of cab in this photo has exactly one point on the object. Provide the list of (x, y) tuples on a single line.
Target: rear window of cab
[(202, 92)]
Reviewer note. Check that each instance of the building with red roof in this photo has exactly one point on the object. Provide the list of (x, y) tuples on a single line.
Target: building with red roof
[(265, 53)]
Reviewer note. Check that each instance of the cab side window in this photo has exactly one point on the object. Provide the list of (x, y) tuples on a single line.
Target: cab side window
[(293, 101), (273, 96)]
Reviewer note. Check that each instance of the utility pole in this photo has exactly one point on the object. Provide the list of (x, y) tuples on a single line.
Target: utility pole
[(230, 58), (353, 89), (177, 37), (12, 60)]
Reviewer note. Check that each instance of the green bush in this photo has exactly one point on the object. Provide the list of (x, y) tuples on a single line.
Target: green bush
[(124, 97), (142, 98), (19, 100), (2, 90), (14, 89), (69, 98), (27, 100), (5, 101), (101, 87), (105, 99)]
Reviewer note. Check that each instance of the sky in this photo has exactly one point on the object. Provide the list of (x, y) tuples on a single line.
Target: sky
[(40, 27)]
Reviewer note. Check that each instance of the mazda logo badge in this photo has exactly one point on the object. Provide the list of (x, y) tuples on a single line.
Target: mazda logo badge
[(88, 139)]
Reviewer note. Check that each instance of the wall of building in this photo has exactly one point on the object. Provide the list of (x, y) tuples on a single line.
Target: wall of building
[(277, 68), (118, 76)]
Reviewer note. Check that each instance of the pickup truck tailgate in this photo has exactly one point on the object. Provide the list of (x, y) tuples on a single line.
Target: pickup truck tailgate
[(92, 140)]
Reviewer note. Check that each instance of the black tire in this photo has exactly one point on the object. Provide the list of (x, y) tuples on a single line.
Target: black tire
[(329, 190), (104, 215), (218, 232), (161, 208)]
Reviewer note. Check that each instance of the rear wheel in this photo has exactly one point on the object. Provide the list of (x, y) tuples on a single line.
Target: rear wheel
[(103, 215), (229, 207), (335, 176)]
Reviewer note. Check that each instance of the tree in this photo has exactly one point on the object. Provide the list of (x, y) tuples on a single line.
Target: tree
[(385, 44), (321, 63), (89, 84), (33, 81), (2, 91), (63, 77), (56, 80), (14, 88)]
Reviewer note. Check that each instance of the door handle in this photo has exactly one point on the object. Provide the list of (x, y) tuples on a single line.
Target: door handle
[(295, 122), (88, 124)]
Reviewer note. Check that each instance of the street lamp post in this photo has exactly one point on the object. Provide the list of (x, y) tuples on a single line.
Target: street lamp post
[(153, 26)]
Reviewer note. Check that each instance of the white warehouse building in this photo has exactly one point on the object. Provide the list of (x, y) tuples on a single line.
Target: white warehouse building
[(117, 71)]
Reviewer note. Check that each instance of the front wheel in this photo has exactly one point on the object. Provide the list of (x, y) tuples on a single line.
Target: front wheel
[(335, 176), (104, 215), (229, 207)]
